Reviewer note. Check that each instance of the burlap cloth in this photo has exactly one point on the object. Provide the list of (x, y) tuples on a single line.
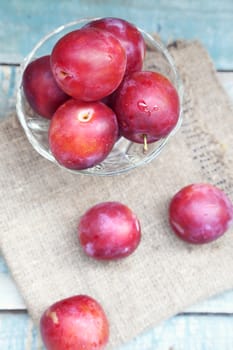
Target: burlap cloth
[(41, 204)]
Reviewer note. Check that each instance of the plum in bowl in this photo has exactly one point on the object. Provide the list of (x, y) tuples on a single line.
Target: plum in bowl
[(125, 151)]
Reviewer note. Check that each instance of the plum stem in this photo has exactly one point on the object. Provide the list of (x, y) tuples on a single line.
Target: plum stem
[(145, 145)]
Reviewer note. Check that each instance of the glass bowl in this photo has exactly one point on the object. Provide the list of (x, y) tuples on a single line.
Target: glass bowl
[(125, 155)]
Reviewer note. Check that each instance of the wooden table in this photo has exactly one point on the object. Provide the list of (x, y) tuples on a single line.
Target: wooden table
[(206, 326)]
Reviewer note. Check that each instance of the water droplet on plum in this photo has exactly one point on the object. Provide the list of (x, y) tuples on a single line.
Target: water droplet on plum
[(143, 107), (155, 108), (110, 58)]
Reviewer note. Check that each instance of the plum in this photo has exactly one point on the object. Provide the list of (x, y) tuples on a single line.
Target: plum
[(109, 230), (88, 63), (82, 134), (130, 38), (200, 213), (40, 88), (147, 106), (77, 322)]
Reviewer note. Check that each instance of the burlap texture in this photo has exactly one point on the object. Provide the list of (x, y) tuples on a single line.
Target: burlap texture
[(41, 204)]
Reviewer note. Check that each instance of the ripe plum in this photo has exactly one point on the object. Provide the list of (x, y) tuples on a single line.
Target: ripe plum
[(128, 35), (82, 134), (109, 230), (200, 213), (77, 322), (146, 105), (88, 63), (41, 89)]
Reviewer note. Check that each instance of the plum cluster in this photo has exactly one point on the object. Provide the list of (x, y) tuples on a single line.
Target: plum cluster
[(94, 89)]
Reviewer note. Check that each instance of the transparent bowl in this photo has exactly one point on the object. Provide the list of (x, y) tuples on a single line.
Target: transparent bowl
[(125, 155)]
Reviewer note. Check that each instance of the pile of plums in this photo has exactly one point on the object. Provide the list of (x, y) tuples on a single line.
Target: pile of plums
[(94, 90)]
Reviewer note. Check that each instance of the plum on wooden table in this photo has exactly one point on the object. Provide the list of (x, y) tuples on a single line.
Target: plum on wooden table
[(75, 323)]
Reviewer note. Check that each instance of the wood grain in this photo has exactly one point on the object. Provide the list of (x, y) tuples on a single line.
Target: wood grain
[(17, 332), (184, 332), (23, 23)]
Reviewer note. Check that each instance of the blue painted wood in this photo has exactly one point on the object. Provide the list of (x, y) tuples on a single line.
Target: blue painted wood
[(24, 22), (8, 77), (3, 267), (18, 333), (185, 332), (10, 297)]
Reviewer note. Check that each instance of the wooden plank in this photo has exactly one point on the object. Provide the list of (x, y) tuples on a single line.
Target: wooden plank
[(17, 332), (8, 79), (185, 332), (10, 298), (222, 303), (226, 79), (210, 21)]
